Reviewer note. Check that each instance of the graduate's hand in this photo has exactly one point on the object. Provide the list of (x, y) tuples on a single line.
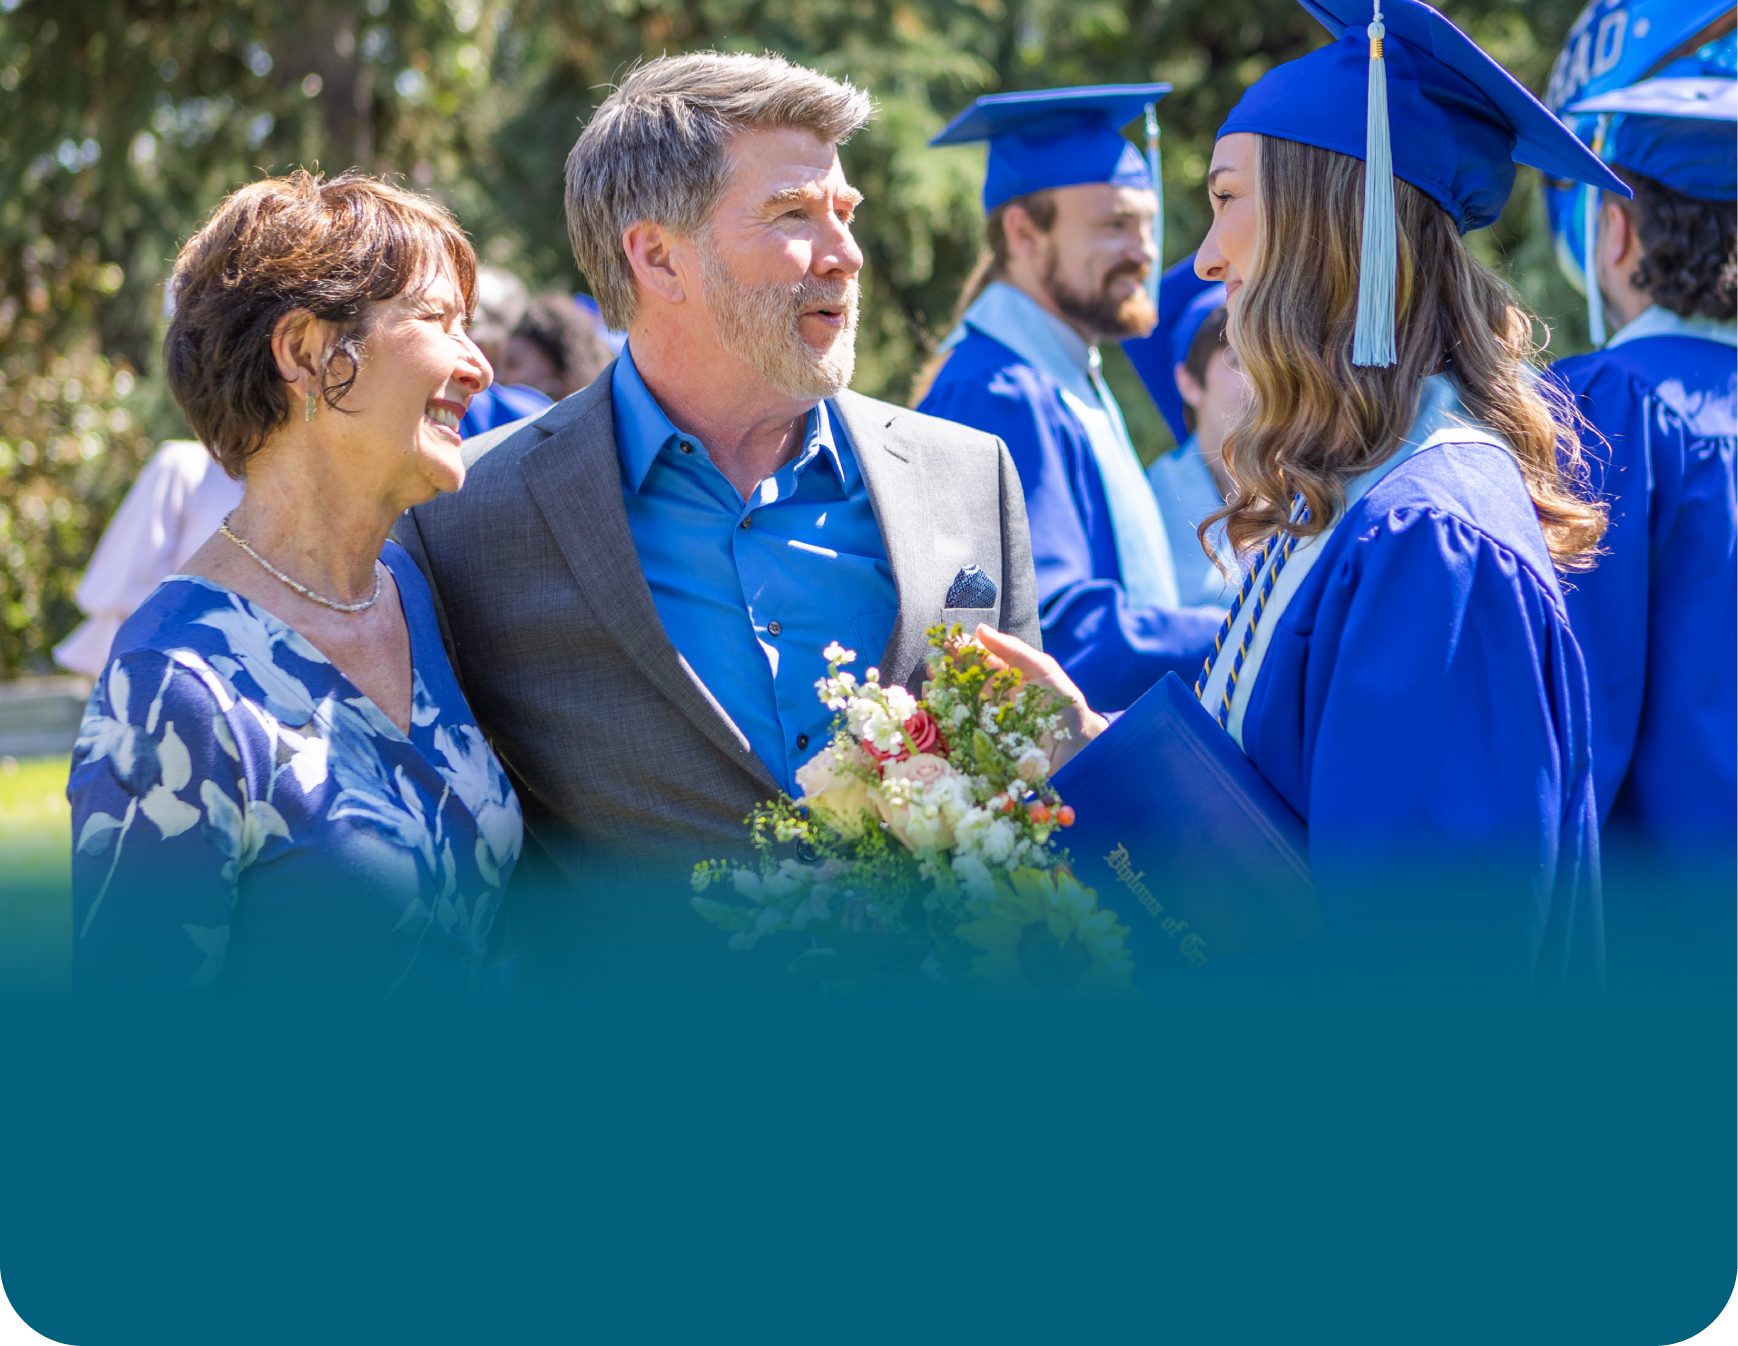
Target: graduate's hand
[(1083, 722)]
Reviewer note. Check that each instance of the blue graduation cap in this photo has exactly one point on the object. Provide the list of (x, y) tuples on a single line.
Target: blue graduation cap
[(1464, 122), (1612, 45), (1185, 302), (1056, 138), (1678, 131)]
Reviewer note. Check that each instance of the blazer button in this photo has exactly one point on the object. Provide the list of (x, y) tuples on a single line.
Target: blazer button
[(748, 521), (773, 628), (802, 740), (687, 447)]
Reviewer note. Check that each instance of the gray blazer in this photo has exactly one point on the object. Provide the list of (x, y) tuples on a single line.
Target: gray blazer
[(628, 769)]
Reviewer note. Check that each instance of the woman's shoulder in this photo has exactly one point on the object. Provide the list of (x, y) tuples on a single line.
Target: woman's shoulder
[(1470, 494), (175, 616)]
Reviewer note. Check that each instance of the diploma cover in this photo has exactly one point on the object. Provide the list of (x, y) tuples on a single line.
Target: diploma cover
[(1183, 838)]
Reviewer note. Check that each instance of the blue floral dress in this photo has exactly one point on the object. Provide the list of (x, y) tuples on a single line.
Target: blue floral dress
[(244, 816)]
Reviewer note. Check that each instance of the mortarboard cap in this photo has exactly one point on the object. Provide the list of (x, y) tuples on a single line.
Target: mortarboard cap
[(1676, 130), (1185, 302), (1462, 120), (1055, 138)]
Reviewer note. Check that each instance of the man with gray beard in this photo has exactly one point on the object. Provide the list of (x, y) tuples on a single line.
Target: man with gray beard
[(638, 584)]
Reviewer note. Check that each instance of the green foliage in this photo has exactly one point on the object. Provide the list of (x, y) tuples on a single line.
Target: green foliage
[(128, 120)]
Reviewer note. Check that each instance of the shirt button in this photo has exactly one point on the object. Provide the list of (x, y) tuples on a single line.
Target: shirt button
[(687, 447), (747, 520), (802, 740), (773, 628)]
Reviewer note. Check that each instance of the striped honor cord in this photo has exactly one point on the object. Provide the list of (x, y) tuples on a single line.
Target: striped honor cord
[(1260, 570)]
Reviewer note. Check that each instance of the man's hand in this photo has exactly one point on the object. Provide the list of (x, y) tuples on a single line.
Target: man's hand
[(1083, 722)]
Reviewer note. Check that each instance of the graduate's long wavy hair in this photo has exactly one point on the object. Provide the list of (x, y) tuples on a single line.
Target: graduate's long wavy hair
[(1314, 421)]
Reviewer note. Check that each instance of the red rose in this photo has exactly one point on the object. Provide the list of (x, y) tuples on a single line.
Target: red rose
[(924, 731)]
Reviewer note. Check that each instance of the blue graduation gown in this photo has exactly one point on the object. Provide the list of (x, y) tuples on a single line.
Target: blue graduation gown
[(1112, 651), (1423, 707), (1658, 617)]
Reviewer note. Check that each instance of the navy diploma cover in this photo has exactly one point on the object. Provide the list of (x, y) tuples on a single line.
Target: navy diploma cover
[(1184, 839)]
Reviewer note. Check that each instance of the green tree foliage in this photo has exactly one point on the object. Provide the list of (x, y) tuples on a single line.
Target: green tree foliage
[(128, 120)]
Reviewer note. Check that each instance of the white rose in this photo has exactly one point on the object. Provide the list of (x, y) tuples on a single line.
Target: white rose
[(1032, 764), (832, 791)]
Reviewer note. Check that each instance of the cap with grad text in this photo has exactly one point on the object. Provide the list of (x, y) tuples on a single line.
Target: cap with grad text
[(1676, 130), (1055, 138)]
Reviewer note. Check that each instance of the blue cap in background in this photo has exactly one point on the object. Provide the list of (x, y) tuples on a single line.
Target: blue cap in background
[(1613, 45), (1679, 131), (1055, 138)]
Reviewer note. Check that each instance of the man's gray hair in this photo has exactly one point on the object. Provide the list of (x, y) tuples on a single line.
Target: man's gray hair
[(655, 151)]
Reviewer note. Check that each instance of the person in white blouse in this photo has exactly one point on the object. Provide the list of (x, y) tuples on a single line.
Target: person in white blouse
[(175, 505)]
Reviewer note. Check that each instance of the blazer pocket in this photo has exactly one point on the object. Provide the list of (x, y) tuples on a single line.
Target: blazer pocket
[(970, 617)]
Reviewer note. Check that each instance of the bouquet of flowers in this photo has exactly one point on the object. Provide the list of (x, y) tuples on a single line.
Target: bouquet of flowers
[(925, 832)]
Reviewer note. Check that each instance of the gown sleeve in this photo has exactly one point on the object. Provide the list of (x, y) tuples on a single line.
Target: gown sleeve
[(1433, 725), (163, 822), (1113, 651)]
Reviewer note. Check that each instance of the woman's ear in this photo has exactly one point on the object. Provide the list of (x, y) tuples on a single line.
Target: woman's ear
[(299, 345)]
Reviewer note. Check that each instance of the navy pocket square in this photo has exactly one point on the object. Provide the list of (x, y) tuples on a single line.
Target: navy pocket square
[(971, 588)]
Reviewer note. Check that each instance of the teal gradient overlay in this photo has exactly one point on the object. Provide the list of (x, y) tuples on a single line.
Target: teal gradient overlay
[(1204, 1166)]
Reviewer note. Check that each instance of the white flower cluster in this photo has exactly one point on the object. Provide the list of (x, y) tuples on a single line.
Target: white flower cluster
[(787, 899)]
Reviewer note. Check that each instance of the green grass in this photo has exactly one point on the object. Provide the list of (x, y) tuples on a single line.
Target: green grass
[(35, 875)]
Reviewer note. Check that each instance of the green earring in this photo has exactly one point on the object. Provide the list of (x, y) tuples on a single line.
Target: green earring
[(310, 415)]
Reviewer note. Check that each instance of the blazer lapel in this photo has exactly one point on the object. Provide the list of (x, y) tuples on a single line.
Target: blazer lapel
[(894, 476), (575, 478)]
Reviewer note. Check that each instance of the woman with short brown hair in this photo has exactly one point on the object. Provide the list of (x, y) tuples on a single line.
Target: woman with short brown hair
[(278, 782)]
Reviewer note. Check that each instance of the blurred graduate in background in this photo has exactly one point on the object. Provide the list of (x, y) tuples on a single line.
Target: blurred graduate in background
[(1189, 367), (1070, 213), (501, 303), (1658, 618)]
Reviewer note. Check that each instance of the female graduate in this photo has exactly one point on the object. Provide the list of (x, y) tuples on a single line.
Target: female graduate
[(1398, 664)]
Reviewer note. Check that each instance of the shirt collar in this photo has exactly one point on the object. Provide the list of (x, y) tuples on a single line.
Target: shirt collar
[(1657, 321), (1009, 315), (643, 430)]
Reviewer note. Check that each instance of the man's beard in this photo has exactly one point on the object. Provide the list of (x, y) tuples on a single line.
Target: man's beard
[(1100, 313), (759, 324)]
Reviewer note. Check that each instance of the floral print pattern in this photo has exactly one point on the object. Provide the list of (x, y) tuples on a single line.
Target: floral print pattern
[(242, 811)]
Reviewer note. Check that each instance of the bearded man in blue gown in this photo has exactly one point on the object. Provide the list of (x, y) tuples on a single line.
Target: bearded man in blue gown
[(1070, 211)]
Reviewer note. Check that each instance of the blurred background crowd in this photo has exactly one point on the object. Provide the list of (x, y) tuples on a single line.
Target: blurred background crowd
[(127, 121)]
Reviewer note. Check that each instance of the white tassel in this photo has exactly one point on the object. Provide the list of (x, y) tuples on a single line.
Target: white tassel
[(1373, 338), (1158, 191)]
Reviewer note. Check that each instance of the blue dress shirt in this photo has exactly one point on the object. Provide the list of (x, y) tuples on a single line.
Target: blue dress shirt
[(750, 592)]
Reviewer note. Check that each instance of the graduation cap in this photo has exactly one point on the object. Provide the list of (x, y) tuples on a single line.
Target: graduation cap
[(1463, 123), (1185, 302), (1057, 138), (1678, 131)]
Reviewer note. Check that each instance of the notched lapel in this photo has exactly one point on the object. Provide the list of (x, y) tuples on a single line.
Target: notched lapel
[(894, 476), (574, 477)]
